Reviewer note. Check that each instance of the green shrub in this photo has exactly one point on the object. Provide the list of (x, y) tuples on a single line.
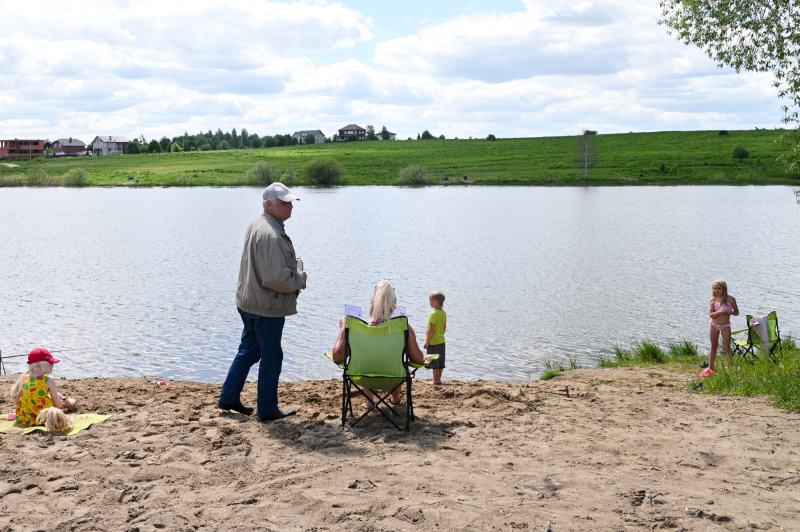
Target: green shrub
[(740, 152), (76, 177), (491, 137), (184, 180), (263, 173), (35, 176), (322, 171), (290, 177), (413, 175), (13, 180)]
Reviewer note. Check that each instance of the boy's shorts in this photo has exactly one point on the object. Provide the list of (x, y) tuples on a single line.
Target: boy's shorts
[(437, 349)]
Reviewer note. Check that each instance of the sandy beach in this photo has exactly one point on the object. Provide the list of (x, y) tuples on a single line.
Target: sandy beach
[(594, 449)]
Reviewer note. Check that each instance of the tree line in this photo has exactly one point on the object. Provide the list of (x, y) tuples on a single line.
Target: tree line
[(211, 141), (233, 140)]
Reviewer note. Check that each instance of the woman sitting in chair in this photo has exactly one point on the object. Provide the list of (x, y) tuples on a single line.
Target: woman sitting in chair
[(383, 303)]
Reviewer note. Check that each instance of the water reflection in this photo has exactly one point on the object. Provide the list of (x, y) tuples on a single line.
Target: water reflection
[(141, 282)]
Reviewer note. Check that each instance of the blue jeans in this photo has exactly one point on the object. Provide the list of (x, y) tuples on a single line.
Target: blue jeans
[(261, 340)]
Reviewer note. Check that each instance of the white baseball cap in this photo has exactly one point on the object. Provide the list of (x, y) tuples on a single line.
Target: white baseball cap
[(280, 191)]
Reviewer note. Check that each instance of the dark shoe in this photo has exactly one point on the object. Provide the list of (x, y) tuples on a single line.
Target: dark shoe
[(280, 415), (704, 364), (237, 407)]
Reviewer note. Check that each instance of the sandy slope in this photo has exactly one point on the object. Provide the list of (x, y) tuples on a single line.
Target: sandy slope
[(628, 449)]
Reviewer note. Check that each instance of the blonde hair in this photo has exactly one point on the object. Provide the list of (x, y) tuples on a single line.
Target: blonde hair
[(437, 295), (54, 420), (724, 286), (384, 301), (32, 368)]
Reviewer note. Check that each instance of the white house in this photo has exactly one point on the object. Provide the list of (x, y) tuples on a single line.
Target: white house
[(319, 137), (110, 145)]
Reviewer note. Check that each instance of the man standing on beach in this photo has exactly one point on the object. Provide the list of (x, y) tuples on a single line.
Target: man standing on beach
[(270, 278)]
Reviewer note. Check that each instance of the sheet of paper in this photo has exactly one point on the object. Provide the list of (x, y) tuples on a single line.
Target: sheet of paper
[(352, 310)]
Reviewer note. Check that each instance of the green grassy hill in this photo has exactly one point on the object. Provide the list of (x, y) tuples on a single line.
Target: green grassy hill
[(673, 157)]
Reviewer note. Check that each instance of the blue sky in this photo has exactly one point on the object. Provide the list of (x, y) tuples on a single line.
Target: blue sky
[(513, 68)]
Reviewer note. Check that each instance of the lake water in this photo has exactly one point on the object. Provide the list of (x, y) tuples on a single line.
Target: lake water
[(141, 282)]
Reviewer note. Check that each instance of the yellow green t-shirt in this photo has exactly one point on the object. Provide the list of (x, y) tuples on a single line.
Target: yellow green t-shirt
[(439, 318)]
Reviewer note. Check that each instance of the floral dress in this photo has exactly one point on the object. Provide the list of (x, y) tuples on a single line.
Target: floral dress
[(33, 398)]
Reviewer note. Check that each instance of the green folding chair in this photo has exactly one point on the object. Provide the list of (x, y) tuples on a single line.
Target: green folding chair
[(753, 341), (377, 360)]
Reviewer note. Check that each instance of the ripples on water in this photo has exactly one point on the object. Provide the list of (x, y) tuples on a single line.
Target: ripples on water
[(140, 282)]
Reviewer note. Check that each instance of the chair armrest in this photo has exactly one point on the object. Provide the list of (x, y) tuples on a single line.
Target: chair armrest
[(424, 364), (330, 356)]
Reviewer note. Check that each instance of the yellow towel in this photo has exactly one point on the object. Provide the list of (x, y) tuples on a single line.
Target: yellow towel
[(81, 421)]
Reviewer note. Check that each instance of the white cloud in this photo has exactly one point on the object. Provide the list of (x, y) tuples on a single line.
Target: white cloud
[(548, 68), (184, 42)]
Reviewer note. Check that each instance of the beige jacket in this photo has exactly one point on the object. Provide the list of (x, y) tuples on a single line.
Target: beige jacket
[(268, 278)]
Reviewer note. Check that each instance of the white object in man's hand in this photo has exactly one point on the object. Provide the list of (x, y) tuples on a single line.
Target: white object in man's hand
[(300, 264)]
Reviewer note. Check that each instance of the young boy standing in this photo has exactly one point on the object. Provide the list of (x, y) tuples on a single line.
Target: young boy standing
[(434, 341)]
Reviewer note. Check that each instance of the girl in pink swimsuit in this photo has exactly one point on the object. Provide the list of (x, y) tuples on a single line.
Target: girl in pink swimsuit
[(722, 308)]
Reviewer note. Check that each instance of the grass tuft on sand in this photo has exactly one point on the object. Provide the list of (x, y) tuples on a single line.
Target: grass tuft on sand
[(778, 378)]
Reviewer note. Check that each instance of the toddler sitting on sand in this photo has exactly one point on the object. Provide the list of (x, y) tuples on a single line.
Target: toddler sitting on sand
[(35, 391)]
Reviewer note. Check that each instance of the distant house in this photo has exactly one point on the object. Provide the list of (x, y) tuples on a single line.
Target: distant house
[(110, 145), (319, 137), (68, 147), (392, 136), (351, 129), (21, 148)]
